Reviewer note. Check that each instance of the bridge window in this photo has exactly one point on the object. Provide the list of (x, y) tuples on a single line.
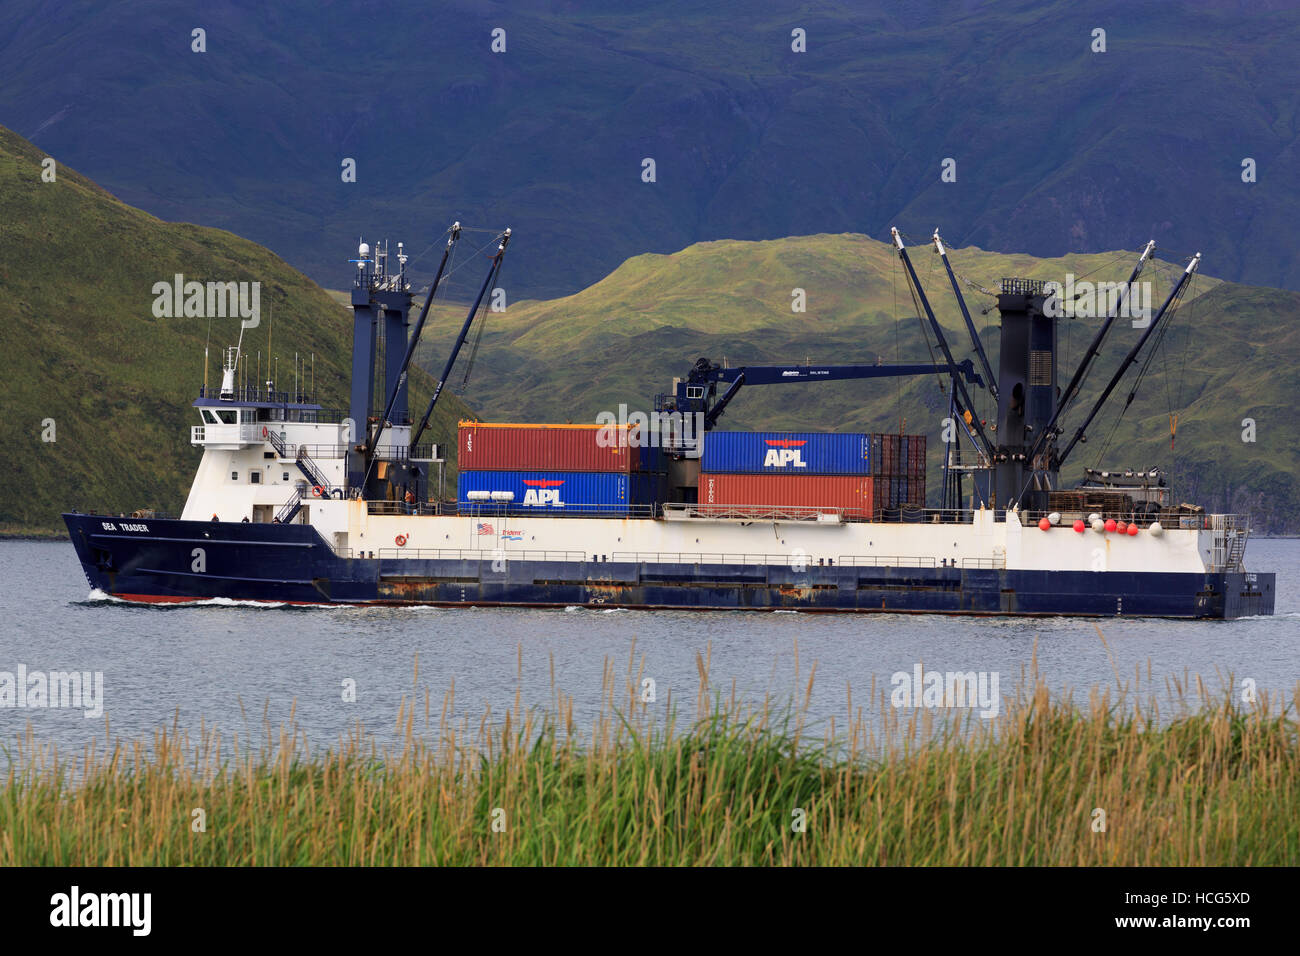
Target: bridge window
[(694, 391), (285, 476), (255, 477), (234, 476)]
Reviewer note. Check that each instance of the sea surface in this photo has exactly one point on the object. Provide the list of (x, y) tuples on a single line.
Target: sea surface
[(238, 668)]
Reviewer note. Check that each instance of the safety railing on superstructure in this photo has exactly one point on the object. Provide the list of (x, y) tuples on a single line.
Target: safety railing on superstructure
[(299, 457), (1228, 547), (291, 508), (427, 451), (255, 395)]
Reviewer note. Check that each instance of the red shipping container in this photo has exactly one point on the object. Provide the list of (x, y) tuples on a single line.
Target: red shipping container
[(916, 492), (849, 494), (916, 456), (497, 447)]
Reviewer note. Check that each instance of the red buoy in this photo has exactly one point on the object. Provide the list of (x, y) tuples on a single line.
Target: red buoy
[(1132, 530), (1044, 524), (1121, 527), (1079, 525), (1110, 524)]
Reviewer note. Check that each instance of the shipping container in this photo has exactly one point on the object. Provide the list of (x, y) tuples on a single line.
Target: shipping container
[(793, 453), (849, 494), (896, 491), (886, 463), (487, 446), (898, 456), (558, 492), (915, 464), (916, 491)]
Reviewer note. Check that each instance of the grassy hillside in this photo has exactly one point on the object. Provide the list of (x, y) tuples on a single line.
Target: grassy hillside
[(82, 347), (1232, 352)]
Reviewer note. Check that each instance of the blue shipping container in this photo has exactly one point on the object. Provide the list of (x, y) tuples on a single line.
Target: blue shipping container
[(559, 492), (788, 453)]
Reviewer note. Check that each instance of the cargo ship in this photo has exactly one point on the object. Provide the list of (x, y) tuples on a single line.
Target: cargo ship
[(298, 503)]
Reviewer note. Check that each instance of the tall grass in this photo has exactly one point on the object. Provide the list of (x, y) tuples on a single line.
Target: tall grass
[(1218, 784)]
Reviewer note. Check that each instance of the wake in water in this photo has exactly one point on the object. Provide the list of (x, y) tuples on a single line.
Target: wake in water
[(97, 597)]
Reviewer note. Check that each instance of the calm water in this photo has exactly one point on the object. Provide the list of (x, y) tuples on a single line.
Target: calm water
[(203, 660)]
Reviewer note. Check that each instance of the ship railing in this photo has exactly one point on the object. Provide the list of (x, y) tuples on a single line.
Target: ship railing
[(918, 561), (761, 512), (897, 515), (459, 554), (910, 514), (1170, 518), (987, 564), (428, 451), (886, 561), (327, 491), (312, 416), (693, 557), (1230, 533), (290, 507), (140, 514), (512, 509), (250, 394)]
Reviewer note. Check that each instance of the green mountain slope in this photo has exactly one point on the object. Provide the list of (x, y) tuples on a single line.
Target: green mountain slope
[(1231, 353), (83, 349), (1057, 148)]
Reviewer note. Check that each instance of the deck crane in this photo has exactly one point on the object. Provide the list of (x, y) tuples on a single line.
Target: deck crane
[(1132, 355), (1051, 432), (982, 440), (965, 314), (697, 394), (493, 272)]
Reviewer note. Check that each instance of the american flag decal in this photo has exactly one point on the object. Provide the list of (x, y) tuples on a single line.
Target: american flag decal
[(485, 528)]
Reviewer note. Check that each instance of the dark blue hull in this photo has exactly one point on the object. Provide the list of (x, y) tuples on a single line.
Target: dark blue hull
[(176, 561)]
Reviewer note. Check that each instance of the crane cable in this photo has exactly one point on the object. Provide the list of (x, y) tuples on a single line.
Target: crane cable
[(478, 337), (1157, 342)]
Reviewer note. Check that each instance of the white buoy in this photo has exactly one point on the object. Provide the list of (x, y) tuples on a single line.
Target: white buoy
[(1054, 517), (1093, 517), (1155, 529), (1098, 526)]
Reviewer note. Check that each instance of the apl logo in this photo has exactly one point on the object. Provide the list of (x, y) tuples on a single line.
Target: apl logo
[(783, 453), (543, 492)]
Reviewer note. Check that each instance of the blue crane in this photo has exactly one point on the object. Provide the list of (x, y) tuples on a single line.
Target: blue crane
[(698, 393)]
